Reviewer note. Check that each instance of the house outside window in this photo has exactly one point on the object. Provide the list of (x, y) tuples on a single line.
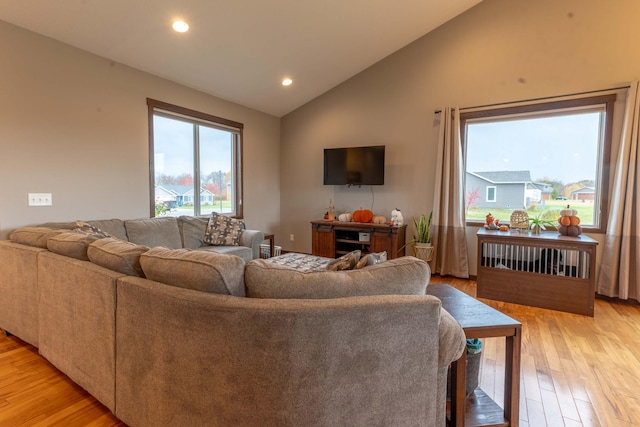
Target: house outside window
[(539, 157), (193, 153)]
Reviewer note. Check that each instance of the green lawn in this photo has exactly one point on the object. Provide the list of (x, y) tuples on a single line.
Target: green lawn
[(551, 211)]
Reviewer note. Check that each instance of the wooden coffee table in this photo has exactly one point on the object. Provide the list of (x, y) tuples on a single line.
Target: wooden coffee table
[(478, 320)]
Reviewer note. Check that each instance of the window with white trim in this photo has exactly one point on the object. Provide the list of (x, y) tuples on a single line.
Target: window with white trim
[(195, 162), (491, 194), (539, 157)]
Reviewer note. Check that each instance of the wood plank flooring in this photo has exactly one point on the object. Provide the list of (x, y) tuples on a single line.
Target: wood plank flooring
[(576, 371)]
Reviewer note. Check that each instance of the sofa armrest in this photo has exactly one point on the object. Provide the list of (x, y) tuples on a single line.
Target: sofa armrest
[(452, 339), (452, 343), (252, 239)]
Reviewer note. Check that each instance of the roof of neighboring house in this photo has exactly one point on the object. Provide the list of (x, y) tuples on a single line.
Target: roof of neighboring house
[(545, 187), (587, 190), (181, 190), (504, 177)]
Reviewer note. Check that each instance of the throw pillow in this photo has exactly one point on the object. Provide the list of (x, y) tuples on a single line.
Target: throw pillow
[(86, 228), (371, 259), (345, 262), (223, 231)]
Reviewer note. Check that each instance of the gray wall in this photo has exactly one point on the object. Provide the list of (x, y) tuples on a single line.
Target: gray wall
[(498, 51), (75, 125)]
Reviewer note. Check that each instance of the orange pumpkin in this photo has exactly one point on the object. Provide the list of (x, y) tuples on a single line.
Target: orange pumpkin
[(362, 215), (565, 220), (574, 220)]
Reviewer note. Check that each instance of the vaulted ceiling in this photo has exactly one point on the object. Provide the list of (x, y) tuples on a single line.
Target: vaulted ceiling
[(240, 50)]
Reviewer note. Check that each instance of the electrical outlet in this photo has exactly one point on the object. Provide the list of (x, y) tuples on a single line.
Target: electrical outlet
[(291, 237), (40, 199)]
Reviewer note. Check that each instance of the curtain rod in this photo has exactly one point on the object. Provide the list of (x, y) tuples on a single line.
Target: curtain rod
[(539, 99)]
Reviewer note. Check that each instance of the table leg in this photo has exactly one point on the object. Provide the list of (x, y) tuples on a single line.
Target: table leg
[(458, 393), (512, 379)]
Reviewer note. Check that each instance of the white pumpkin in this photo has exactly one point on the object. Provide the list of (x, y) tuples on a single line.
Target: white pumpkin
[(379, 219), (568, 211), (344, 217)]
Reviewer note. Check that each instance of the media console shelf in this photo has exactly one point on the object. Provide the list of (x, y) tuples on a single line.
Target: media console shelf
[(544, 270), (333, 239)]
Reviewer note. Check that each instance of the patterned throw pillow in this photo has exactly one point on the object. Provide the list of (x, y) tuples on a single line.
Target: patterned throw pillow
[(223, 231), (86, 228), (371, 259), (345, 262)]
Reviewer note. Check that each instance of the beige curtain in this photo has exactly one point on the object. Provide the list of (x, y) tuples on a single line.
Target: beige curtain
[(621, 250), (449, 238)]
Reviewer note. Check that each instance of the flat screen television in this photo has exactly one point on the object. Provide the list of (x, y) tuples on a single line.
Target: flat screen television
[(354, 166)]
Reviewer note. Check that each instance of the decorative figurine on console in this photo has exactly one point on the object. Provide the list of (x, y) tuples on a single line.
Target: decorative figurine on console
[(330, 215), (396, 218), (491, 223)]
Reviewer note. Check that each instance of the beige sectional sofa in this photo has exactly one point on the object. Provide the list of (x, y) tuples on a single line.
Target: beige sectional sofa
[(165, 336)]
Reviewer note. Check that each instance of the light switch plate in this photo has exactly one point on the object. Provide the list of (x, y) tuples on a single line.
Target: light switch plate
[(40, 199)]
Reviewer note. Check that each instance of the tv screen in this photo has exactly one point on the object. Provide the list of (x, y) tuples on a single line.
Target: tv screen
[(354, 166)]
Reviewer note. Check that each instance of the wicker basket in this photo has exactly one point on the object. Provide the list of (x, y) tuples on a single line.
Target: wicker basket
[(519, 219), (423, 252)]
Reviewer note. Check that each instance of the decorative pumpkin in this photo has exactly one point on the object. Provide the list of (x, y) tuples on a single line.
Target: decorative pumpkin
[(568, 211), (345, 217), (362, 215), (379, 219), (569, 222)]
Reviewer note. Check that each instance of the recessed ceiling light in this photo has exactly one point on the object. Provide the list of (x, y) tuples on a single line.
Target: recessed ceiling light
[(180, 26), (287, 82)]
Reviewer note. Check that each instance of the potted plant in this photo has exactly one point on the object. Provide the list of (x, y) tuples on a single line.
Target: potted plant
[(423, 230), (538, 223)]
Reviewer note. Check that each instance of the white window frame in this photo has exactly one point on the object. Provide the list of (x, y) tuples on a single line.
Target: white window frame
[(495, 194)]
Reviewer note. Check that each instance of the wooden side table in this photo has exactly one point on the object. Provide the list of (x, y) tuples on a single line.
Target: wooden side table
[(479, 320), (270, 238)]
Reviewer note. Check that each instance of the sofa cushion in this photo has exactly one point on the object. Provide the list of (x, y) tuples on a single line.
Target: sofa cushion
[(34, 236), (117, 255), (72, 244), (153, 232), (222, 230), (405, 275), (198, 270), (243, 252), (192, 230)]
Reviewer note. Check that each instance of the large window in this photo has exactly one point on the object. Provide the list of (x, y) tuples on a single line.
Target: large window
[(195, 162), (539, 157)]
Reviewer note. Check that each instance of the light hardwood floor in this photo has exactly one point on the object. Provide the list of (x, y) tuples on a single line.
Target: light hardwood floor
[(576, 371)]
